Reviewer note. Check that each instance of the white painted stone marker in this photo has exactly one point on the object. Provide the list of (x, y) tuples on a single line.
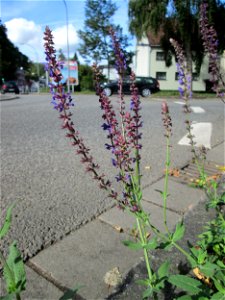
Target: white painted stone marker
[(202, 135), (195, 109)]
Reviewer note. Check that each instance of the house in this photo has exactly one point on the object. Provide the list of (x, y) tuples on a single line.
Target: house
[(149, 61)]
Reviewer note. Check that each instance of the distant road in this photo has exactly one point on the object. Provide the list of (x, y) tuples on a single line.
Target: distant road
[(40, 170)]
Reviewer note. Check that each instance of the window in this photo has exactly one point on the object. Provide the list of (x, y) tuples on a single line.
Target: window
[(160, 55), (161, 75), (194, 76)]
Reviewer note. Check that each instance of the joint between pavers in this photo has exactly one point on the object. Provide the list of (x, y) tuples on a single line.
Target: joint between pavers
[(217, 144), (179, 212), (162, 176), (46, 275)]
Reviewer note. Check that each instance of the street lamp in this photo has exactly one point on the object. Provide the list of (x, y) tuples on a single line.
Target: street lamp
[(68, 49)]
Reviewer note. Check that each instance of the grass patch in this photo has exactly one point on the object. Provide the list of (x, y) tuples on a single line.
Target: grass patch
[(160, 94), (176, 94)]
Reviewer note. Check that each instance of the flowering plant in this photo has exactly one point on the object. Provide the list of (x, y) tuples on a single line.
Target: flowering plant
[(124, 136)]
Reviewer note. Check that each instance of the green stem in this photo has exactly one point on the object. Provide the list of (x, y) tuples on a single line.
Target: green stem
[(143, 241), (165, 192), (137, 167), (167, 239), (18, 296)]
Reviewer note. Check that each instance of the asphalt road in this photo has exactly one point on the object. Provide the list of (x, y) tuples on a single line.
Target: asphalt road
[(39, 168)]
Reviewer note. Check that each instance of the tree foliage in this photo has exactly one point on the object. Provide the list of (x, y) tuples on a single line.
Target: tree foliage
[(11, 58), (61, 55), (96, 41), (179, 20), (98, 19)]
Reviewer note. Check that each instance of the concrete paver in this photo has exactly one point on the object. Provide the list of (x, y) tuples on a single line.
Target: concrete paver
[(217, 154), (115, 217), (181, 196), (37, 287), (85, 256)]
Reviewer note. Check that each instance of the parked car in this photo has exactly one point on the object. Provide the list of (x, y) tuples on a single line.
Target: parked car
[(145, 85), (10, 87)]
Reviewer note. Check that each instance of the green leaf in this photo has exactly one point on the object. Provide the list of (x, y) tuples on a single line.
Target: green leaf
[(221, 264), (16, 277), (163, 270), (218, 286), (144, 282), (186, 283), (188, 297), (159, 191), (185, 297), (218, 296), (7, 297), (4, 229), (179, 232), (208, 269), (133, 245), (166, 245), (152, 244), (147, 293), (69, 294)]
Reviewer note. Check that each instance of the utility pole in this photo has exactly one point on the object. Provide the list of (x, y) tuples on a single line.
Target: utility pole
[(68, 49)]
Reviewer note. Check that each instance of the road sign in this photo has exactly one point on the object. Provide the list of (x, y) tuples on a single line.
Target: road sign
[(73, 72)]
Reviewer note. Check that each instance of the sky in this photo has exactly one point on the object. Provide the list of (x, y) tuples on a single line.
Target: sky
[(25, 21)]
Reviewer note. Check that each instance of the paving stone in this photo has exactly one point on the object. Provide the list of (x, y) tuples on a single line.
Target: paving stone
[(119, 218), (181, 196), (85, 256), (217, 154), (37, 287)]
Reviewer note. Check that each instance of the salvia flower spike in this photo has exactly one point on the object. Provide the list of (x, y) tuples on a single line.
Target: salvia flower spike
[(62, 102), (210, 43)]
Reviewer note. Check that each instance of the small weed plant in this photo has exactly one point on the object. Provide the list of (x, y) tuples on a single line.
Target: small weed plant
[(13, 266)]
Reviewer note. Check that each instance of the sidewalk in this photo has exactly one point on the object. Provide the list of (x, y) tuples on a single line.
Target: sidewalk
[(85, 256)]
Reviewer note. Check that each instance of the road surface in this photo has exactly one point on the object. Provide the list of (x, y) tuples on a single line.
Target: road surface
[(40, 171)]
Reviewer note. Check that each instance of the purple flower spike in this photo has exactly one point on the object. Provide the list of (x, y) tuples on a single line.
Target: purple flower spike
[(121, 64), (167, 122), (184, 76), (62, 102), (124, 134), (210, 43)]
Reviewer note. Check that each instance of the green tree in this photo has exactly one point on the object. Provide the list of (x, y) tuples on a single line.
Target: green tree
[(75, 57), (11, 59), (179, 20), (98, 19), (96, 42), (86, 77), (61, 55)]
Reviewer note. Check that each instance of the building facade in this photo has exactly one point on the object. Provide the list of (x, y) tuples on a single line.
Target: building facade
[(149, 61)]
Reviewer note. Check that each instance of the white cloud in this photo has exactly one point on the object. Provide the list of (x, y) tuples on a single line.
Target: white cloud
[(60, 38), (24, 32)]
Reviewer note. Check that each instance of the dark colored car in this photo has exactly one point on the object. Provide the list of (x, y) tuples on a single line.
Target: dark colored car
[(9, 87), (145, 85)]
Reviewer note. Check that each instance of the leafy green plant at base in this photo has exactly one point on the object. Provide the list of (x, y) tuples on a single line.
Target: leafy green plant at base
[(13, 267)]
